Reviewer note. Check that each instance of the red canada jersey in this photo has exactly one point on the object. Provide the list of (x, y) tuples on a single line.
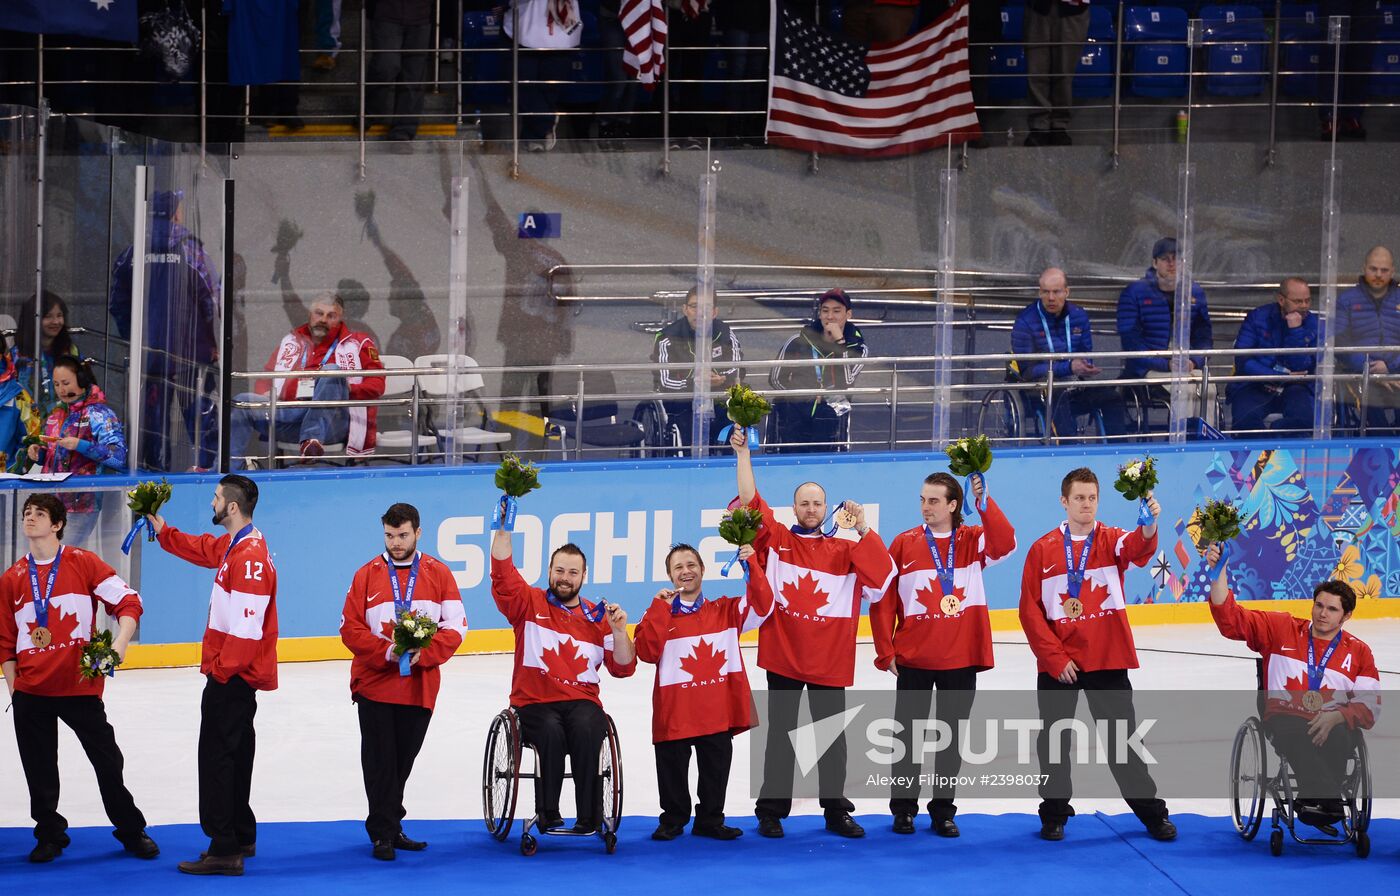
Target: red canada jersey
[(909, 625), (701, 684), (241, 635), (83, 580), (1099, 637), (558, 650), (818, 584), (1350, 682), (367, 629)]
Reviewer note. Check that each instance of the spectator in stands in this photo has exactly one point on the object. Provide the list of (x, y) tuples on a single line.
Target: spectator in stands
[(1146, 309), (264, 40), (1054, 324), (675, 344), (327, 34), (19, 419), (400, 32), (1285, 323), (322, 343), (688, 38), (813, 422), (1355, 70), (82, 435), (1369, 314), (181, 334), (54, 342), (879, 21), (1055, 31), (622, 94), (548, 26), (744, 29)]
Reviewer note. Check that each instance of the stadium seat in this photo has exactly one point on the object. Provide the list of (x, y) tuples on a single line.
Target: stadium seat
[(1385, 59), (1160, 61), (1236, 51), (466, 393), (483, 61), (396, 427), (1007, 61), (1301, 33), (1093, 77)]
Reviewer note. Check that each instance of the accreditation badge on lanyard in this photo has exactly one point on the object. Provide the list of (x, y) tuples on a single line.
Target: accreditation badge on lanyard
[(1312, 700), (949, 605), (42, 635), (1074, 575)]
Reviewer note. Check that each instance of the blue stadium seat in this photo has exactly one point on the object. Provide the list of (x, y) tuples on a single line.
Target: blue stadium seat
[(1302, 61), (1013, 23), (1385, 58), (1237, 50), (1007, 61), (715, 91), (482, 31), (1387, 21), (1093, 78), (1158, 68)]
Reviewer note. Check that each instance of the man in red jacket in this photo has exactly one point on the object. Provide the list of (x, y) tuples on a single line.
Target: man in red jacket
[(561, 640), (238, 658), (1322, 685), (48, 604), (1075, 617), (701, 698), (809, 642), (932, 630), (395, 701)]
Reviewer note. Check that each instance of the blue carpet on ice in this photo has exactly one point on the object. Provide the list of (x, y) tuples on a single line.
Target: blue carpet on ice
[(996, 854)]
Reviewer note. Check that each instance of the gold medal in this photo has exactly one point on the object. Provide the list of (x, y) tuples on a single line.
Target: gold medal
[(845, 519), (41, 637), (1073, 608), (950, 605), (1312, 701)]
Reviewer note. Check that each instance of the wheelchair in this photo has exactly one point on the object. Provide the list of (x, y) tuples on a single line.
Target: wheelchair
[(503, 772), (1252, 784), (1018, 416)]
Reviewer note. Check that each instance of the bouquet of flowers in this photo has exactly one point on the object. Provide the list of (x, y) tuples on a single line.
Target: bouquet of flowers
[(1219, 522), (412, 631), (515, 479), (1137, 478), (146, 499), (747, 409), (969, 455), (98, 657), (739, 527)]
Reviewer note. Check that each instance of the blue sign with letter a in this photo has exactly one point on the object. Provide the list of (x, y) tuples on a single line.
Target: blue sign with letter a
[(541, 225)]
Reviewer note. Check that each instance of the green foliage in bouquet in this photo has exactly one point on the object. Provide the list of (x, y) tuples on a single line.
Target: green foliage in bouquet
[(516, 478), (740, 526), (745, 406), (148, 497), (968, 456), (1219, 522), (413, 631), (1137, 478), (98, 657)]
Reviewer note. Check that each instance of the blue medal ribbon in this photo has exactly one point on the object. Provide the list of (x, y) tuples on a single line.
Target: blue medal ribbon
[(827, 527), (752, 432), (41, 598), (503, 515), (403, 602), (242, 534), (1075, 574), (130, 539), (743, 564), (1315, 669), (1145, 517), (679, 608), (979, 503), (597, 614), (1220, 564), (945, 573)]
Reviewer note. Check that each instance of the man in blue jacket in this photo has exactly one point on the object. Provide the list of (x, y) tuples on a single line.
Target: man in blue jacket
[(1369, 314), (1054, 324), (1285, 323), (1145, 322)]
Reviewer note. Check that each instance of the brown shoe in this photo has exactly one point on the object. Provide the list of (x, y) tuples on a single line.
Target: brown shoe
[(324, 62), (246, 851), (230, 866)]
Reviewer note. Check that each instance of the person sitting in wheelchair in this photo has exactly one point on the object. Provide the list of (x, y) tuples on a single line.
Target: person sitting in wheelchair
[(1053, 324), (561, 640), (1322, 685)]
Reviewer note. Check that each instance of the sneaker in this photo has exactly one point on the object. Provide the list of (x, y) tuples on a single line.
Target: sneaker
[(324, 62), (312, 448)]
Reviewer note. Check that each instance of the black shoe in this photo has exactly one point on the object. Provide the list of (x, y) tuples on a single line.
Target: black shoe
[(768, 826), (1162, 830), (402, 841), (666, 831), (945, 827), (1039, 138), (843, 824), (550, 822), (141, 846), (1052, 830), (1319, 816), (716, 831), (583, 827), (384, 850), (903, 823), (45, 851), (1060, 137), (229, 866), (246, 851)]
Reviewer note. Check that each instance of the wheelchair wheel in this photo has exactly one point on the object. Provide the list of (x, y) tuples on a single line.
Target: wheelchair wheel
[(500, 776), (610, 774), (1276, 843), (1363, 844), (1247, 778), (528, 845), (1358, 793), (999, 416)]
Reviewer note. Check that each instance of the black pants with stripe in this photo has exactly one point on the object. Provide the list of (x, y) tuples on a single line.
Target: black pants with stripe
[(913, 690), (713, 755), (391, 735), (226, 746)]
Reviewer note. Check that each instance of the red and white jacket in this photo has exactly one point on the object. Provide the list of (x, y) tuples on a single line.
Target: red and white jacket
[(348, 351), (241, 635), (811, 634), (558, 651), (1350, 683), (1101, 637), (83, 580), (908, 625), (701, 685), (367, 629)]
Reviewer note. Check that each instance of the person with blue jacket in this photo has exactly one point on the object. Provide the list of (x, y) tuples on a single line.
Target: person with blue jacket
[(1053, 324), (1369, 314), (1290, 390), (1146, 310)]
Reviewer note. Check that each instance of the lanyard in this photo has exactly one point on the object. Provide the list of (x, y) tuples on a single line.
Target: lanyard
[(823, 529), (1045, 325), (242, 534), (403, 601), (599, 609), (945, 573), (1315, 669), (678, 607), (1075, 574), (330, 353), (41, 598)]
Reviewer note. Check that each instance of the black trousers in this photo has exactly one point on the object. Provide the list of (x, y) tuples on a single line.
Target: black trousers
[(913, 690), (1319, 770), (1110, 697), (713, 755), (779, 762), (226, 746), (573, 728), (36, 735), (391, 734)]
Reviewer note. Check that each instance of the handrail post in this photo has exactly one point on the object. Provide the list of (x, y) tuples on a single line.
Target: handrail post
[(1049, 402), (203, 83), (1117, 81), (1364, 411), (437, 43), (515, 91), (666, 97), (457, 64), (1272, 155), (413, 415), (894, 404), (364, 66), (272, 426), (39, 71), (578, 420)]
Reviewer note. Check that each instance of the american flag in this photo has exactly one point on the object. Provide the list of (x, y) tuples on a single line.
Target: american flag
[(644, 29), (827, 94)]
